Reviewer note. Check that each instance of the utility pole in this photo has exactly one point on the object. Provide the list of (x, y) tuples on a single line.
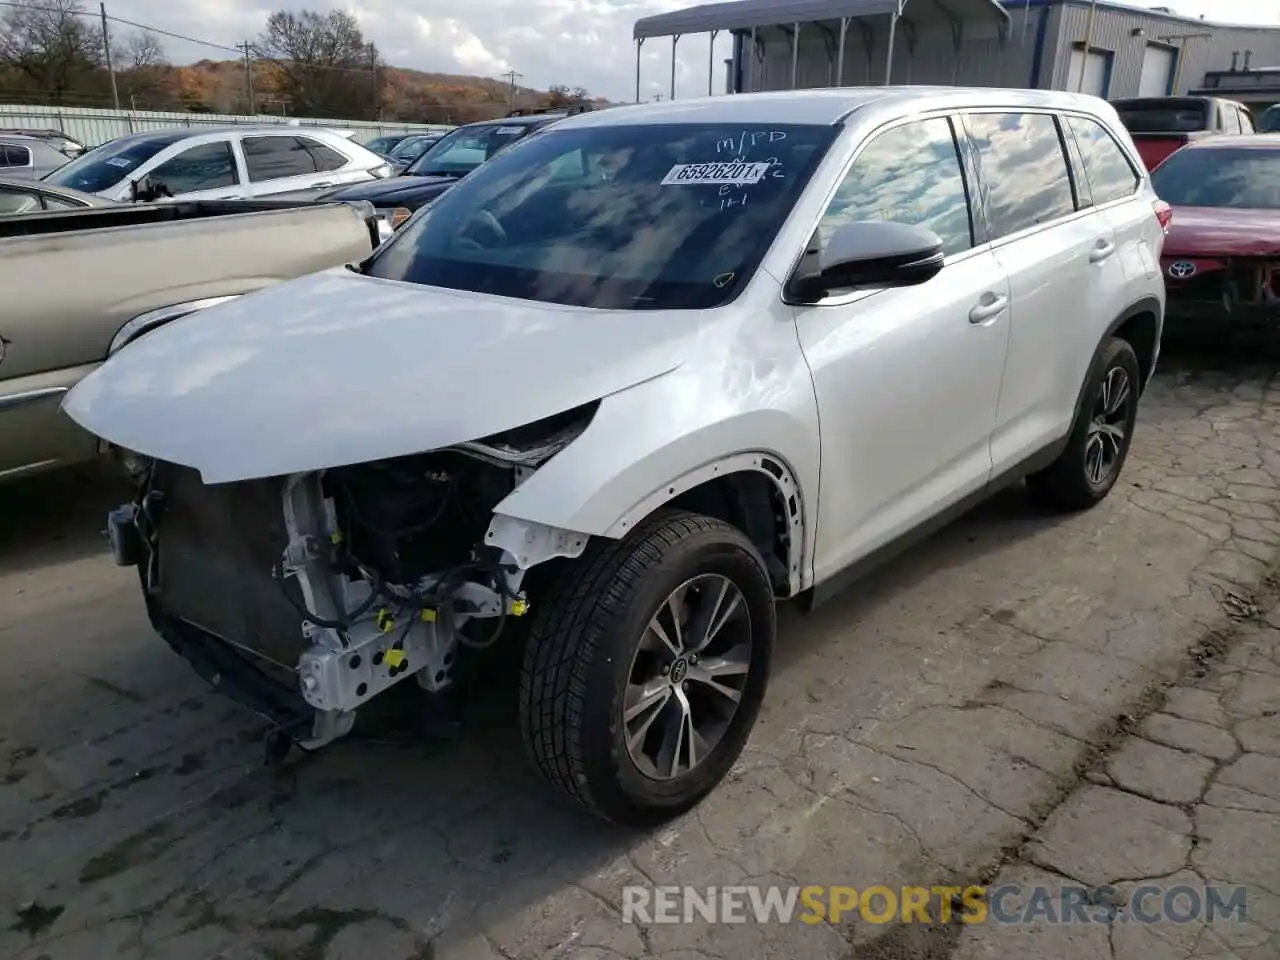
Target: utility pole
[(106, 51), (512, 76), (248, 78), (377, 92)]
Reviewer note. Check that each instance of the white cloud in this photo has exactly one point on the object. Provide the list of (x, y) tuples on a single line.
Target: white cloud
[(575, 42)]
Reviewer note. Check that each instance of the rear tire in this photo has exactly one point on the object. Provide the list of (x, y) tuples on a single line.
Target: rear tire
[(1094, 456), (621, 708)]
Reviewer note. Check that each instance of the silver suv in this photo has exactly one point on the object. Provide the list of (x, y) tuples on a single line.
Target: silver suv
[(622, 390), (221, 163)]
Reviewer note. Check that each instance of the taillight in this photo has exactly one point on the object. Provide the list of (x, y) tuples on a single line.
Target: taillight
[(1164, 214)]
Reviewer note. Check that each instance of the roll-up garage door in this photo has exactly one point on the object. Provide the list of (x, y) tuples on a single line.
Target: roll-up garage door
[(1095, 73), (1157, 70)]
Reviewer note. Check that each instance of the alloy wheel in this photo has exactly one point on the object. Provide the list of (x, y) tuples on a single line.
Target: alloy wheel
[(687, 677), (1104, 443)]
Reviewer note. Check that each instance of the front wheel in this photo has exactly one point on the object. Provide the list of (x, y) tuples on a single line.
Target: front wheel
[(1090, 464), (646, 665)]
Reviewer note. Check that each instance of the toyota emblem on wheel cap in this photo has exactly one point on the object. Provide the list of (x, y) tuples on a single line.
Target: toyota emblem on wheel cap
[(1181, 269)]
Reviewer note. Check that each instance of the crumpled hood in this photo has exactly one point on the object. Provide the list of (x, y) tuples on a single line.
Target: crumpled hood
[(1223, 232), (338, 368), (402, 190)]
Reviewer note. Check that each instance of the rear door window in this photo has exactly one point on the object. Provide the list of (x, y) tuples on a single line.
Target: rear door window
[(274, 158), (1111, 175), (1026, 182), (210, 166)]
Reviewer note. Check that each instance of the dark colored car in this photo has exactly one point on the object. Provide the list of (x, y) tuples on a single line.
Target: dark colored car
[(1161, 125), (385, 144), (411, 148), (452, 157), (1221, 258)]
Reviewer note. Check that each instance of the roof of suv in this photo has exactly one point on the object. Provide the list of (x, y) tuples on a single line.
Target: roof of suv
[(829, 106), (173, 135)]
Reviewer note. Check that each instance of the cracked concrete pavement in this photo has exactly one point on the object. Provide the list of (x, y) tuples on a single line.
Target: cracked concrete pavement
[(1192, 800), (947, 717)]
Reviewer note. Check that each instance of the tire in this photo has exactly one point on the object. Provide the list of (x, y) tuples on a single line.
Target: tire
[(1073, 481), (590, 646)]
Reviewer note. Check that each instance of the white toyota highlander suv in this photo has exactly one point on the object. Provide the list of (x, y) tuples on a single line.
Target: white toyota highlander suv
[(621, 391)]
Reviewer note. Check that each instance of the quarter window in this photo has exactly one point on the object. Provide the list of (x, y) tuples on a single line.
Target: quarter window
[(209, 166), (1024, 170), (325, 158), (273, 158), (14, 156), (1111, 175), (910, 174)]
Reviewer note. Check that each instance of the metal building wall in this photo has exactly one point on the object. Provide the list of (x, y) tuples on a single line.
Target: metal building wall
[(1114, 31), (92, 127)]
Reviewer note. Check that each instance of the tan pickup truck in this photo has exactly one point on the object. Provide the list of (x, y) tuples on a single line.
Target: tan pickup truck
[(76, 287)]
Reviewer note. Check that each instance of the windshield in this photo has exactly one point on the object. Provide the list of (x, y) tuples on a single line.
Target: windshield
[(1247, 178), (384, 145), (105, 166), (617, 217), (1163, 118), (1269, 122), (460, 152), (411, 147)]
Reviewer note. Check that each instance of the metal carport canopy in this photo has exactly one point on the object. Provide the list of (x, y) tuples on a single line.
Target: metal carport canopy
[(750, 14)]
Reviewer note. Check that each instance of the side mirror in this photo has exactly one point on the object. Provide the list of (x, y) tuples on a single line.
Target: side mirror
[(868, 253)]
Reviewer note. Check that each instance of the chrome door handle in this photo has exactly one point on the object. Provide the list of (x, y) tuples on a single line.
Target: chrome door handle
[(986, 311), (1104, 249), (327, 183)]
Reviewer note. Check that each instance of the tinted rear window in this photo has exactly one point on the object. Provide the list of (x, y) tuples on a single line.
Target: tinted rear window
[(1220, 177), (619, 217), (1163, 118)]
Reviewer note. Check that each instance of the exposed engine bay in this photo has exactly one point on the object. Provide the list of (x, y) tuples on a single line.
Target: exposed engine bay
[(333, 586)]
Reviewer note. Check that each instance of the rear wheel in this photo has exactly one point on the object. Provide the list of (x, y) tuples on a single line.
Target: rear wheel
[(1090, 465), (646, 665)]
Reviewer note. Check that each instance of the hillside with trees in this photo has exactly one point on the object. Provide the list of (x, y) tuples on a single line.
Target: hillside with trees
[(303, 63)]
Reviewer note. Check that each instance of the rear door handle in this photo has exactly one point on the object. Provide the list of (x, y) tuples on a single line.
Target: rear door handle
[(988, 309), (1101, 251)]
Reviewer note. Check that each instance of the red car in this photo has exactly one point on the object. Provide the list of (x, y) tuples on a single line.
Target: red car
[(1221, 258)]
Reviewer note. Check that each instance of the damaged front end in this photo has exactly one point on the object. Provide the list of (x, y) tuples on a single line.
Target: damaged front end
[(306, 596), (1241, 291)]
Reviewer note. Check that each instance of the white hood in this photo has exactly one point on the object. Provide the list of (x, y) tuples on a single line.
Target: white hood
[(337, 368)]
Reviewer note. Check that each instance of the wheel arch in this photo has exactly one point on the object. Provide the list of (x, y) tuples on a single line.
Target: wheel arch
[(757, 492), (1139, 325)]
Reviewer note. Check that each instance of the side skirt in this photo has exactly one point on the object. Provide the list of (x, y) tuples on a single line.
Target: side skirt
[(839, 582)]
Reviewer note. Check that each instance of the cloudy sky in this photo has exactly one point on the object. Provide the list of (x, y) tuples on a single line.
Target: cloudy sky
[(575, 42)]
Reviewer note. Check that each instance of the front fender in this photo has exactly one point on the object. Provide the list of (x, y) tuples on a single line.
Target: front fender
[(652, 442)]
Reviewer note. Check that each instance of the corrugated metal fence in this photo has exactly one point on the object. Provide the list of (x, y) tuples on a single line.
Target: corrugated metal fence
[(92, 127)]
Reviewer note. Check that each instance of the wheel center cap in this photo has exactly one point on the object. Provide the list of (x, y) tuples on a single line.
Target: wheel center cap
[(679, 670)]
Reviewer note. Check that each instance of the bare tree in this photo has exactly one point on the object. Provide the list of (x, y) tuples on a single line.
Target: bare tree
[(52, 43), (140, 50), (323, 64)]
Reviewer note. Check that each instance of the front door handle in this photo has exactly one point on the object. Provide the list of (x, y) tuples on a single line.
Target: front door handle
[(327, 183), (1101, 251), (992, 306)]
